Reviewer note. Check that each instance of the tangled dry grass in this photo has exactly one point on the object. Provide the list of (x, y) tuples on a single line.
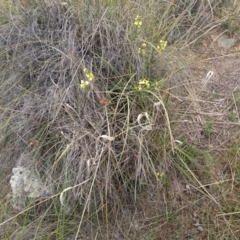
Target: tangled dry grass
[(75, 135), (96, 145)]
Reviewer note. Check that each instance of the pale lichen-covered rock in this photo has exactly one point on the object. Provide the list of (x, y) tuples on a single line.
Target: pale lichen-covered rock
[(226, 42), (26, 185)]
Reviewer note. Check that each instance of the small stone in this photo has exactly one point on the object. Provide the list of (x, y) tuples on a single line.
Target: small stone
[(200, 228), (195, 215), (116, 235), (226, 42)]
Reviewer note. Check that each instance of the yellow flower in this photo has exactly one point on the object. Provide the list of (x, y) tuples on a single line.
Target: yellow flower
[(159, 175), (89, 75), (162, 45), (138, 21), (84, 84), (142, 49), (144, 83)]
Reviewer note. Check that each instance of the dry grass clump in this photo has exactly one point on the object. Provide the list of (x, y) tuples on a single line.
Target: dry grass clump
[(92, 93), (89, 137)]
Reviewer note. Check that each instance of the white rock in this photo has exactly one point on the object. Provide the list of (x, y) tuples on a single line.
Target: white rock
[(200, 228), (226, 42), (25, 184)]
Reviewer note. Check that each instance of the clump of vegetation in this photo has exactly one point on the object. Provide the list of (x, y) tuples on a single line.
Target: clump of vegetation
[(89, 105), (78, 99)]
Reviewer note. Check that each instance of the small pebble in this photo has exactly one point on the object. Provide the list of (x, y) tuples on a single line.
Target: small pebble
[(195, 214), (200, 229), (226, 42)]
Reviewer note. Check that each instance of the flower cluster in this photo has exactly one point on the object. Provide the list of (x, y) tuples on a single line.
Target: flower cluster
[(89, 76), (162, 45), (142, 49), (143, 84), (84, 84), (160, 175), (138, 21)]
